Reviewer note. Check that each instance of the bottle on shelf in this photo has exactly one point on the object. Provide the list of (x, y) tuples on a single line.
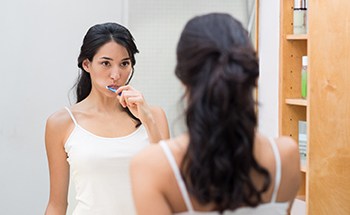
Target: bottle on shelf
[(300, 17), (304, 77), (302, 139)]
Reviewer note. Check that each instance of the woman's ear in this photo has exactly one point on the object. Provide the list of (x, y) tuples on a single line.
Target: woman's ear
[(86, 65)]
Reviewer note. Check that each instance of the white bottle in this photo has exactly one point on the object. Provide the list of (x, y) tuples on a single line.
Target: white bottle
[(300, 17)]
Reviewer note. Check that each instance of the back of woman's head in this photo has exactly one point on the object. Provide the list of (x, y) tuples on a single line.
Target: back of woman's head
[(219, 67), (97, 36)]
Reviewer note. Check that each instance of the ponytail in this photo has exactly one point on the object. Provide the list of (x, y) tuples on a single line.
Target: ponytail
[(220, 116)]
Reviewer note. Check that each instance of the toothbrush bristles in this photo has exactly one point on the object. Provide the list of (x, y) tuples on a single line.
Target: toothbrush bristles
[(111, 89)]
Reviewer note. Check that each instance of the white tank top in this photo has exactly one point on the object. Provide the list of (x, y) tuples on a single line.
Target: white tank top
[(100, 170), (271, 208)]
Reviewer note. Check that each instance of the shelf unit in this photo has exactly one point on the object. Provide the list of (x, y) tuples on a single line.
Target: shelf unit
[(296, 37), (300, 102), (325, 187)]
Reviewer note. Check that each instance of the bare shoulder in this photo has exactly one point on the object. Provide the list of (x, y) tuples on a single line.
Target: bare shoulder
[(151, 157), (150, 167), (291, 175), (58, 125), (149, 160), (59, 119), (288, 148)]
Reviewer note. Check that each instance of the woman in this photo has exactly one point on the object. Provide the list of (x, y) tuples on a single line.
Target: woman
[(95, 138), (222, 164)]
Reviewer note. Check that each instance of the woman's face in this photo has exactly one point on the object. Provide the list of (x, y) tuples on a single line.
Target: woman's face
[(111, 66)]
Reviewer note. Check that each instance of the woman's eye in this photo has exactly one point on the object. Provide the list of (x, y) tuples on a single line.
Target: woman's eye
[(105, 63), (125, 63)]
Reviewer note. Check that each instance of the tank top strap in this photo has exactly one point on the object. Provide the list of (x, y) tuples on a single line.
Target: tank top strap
[(177, 174), (71, 115), (278, 169)]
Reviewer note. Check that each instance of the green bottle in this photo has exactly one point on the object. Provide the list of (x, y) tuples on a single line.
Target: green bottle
[(304, 77)]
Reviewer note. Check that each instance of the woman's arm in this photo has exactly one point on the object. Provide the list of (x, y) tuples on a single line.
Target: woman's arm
[(291, 175), (58, 165), (157, 128), (153, 118)]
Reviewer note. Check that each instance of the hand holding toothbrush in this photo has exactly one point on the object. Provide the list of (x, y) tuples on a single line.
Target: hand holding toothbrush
[(132, 99)]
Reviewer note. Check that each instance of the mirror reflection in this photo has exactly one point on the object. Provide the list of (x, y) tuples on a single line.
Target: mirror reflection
[(40, 46)]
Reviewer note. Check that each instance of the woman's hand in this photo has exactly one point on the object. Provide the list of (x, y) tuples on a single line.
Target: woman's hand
[(153, 118), (131, 98)]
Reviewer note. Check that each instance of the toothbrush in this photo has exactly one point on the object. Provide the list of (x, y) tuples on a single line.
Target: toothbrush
[(113, 90)]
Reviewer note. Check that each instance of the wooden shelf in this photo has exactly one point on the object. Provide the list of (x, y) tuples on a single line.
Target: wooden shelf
[(325, 184), (303, 167), (301, 197), (299, 102), (296, 37)]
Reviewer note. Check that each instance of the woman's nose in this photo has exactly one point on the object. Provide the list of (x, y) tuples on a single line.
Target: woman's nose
[(115, 74)]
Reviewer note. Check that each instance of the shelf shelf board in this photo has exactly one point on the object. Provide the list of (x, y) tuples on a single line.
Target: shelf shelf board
[(299, 102), (303, 167), (301, 197), (296, 36)]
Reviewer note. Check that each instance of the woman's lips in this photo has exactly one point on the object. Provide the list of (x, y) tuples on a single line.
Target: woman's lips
[(113, 86)]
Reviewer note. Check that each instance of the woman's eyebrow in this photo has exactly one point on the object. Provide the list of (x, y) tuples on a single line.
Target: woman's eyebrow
[(106, 58), (128, 58), (111, 59)]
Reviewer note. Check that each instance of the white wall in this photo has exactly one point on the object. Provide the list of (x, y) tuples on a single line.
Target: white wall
[(269, 66), (39, 46)]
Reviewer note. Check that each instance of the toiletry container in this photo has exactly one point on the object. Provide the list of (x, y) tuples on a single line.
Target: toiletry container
[(304, 77), (300, 17)]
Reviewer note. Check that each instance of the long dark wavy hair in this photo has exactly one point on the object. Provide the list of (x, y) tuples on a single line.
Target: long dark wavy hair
[(219, 67), (97, 36)]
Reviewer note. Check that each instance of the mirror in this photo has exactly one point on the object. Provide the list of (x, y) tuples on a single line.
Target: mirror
[(40, 42), (156, 25)]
